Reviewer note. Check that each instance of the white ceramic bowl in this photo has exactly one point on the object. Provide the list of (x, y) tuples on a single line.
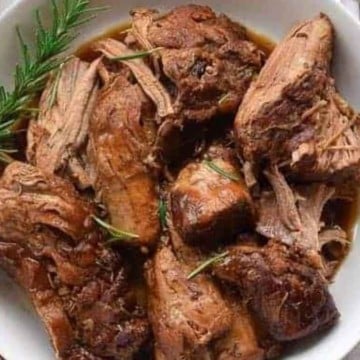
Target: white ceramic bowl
[(21, 334)]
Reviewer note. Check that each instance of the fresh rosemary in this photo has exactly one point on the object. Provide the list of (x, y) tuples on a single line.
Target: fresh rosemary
[(116, 234), (203, 266), (30, 76), (224, 99), (136, 55), (211, 165), (162, 213)]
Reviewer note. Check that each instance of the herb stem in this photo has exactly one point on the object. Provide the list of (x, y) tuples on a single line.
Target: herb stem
[(136, 55), (116, 234), (162, 213), (203, 266), (211, 165), (31, 75)]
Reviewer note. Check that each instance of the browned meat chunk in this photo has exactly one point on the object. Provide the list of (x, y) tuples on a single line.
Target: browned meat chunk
[(57, 138), (207, 64), (293, 115), (208, 205), (241, 342), (119, 139), (77, 285), (186, 315), (288, 296)]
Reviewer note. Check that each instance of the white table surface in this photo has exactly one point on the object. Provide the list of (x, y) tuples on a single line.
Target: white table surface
[(353, 7)]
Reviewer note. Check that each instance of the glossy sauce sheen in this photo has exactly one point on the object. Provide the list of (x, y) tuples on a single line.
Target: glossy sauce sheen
[(344, 213)]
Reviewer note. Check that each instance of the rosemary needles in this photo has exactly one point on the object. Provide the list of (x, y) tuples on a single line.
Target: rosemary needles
[(203, 266), (30, 76), (115, 234)]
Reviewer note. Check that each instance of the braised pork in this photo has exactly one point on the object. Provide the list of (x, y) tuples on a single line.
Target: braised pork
[(294, 217), (287, 295), (186, 315), (241, 341), (209, 206), (293, 115), (207, 64), (120, 136), (77, 285), (57, 138)]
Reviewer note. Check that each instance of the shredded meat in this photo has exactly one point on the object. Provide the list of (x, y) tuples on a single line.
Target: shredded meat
[(207, 65), (77, 285), (186, 315), (57, 139), (280, 209), (119, 141)]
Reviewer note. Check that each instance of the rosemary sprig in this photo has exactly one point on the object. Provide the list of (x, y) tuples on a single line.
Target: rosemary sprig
[(136, 55), (211, 165), (203, 266), (31, 75), (224, 99), (116, 234), (162, 213)]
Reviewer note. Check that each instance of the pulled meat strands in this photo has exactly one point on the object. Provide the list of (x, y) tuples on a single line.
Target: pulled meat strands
[(207, 65), (150, 84), (186, 315), (119, 142), (279, 211), (290, 298), (207, 206), (78, 286), (57, 139), (293, 115)]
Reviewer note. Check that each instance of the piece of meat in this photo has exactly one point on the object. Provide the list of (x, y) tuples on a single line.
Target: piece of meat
[(293, 215), (241, 341), (293, 116), (207, 65), (77, 284), (207, 206), (143, 74), (120, 136), (57, 138), (186, 315), (289, 298)]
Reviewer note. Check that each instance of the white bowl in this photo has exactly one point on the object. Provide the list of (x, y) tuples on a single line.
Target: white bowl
[(21, 334)]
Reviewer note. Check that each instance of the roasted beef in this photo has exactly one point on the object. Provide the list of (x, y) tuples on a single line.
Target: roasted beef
[(206, 64), (77, 285), (57, 138), (209, 206), (186, 315), (289, 297), (293, 115), (120, 135)]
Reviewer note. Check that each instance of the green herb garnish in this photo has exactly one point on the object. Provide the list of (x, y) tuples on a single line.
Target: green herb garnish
[(203, 266), (31, 75), (116, 234), (223, 99), (162, 213), (136, 55), (211, 165)]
